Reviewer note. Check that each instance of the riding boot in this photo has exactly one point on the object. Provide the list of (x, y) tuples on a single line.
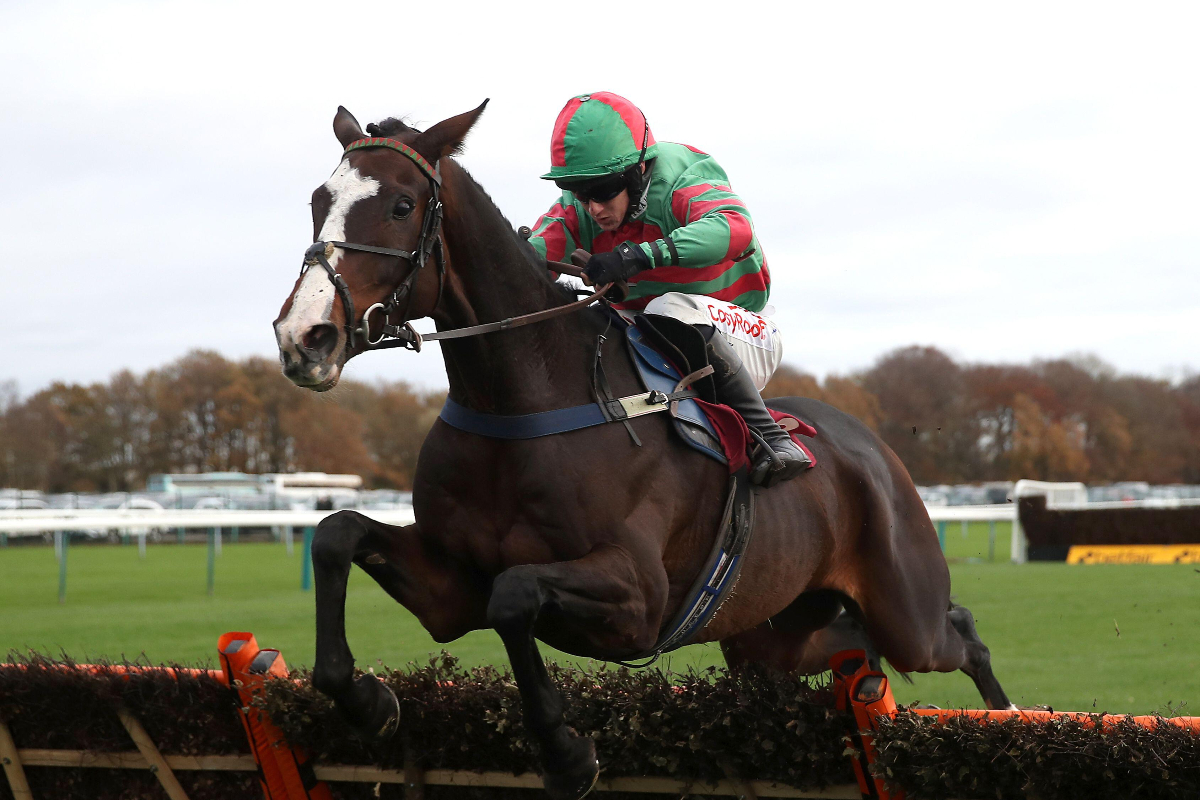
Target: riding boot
[(735, 388)]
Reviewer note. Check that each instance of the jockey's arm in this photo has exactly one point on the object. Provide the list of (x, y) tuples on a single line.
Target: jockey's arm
[(715, 226), (556, 233)]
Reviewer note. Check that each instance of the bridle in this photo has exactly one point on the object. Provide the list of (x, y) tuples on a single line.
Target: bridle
[(429, 243)]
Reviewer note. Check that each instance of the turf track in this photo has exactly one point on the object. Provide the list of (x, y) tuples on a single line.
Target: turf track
[(1052, 628)]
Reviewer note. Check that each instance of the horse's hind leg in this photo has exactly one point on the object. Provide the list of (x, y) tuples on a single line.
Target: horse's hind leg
[(978, 664), (595, 603), (802, 638), (393, 557), (903, 589)]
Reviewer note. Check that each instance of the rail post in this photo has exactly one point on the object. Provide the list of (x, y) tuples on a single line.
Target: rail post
[(306, 560), (991, 540), (212, 560), (64, 540), (941, 529)]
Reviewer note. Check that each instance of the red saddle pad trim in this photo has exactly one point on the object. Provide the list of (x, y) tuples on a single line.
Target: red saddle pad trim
[(735, 436), (796, 428)]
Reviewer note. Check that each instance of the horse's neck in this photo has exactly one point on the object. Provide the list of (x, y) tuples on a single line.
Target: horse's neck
[(492, 277)]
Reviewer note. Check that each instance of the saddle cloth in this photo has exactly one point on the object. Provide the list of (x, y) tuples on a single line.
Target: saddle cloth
[(715, 430)]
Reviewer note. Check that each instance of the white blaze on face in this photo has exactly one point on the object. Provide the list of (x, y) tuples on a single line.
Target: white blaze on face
[(313, 300)]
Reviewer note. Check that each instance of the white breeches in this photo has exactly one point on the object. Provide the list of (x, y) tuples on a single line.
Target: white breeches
[(754, 338)]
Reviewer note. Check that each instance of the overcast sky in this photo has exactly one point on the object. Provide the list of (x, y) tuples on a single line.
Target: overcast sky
[(1003, 182)]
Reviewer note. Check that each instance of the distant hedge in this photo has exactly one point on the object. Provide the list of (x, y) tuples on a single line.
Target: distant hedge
[(698, 726), (1052, 531)]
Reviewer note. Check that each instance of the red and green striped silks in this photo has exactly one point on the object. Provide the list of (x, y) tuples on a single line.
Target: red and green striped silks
[(697, 232)]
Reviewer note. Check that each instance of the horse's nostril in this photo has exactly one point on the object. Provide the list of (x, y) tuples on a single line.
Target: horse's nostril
[(319, 340)]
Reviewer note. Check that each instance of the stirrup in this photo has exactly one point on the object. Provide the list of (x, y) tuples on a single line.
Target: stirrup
[(769, 467), (770, 454)]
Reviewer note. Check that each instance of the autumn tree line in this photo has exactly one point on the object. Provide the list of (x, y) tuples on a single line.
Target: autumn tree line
[(949, 422)]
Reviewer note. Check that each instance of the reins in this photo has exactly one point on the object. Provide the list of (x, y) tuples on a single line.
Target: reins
[(429, 243), (410, 338)]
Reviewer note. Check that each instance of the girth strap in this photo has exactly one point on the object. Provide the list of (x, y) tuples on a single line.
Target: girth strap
[(717, 578)]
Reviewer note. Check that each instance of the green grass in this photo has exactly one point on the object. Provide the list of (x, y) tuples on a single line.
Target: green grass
[(1051, 627), (970, 543)]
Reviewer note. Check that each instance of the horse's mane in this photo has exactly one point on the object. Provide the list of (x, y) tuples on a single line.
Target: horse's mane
[(531, 258), (393, 127), (390, 127)]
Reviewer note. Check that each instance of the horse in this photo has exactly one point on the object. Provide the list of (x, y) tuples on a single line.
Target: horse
[(582, 540)]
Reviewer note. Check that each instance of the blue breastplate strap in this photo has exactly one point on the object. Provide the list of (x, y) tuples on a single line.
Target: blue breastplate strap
[(560, 420)]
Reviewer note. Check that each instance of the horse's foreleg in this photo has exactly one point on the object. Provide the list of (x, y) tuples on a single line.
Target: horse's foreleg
[(369, 705), (597, 599), (396, 559)]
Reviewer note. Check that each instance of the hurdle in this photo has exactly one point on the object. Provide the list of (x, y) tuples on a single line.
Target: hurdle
[(283, 771)]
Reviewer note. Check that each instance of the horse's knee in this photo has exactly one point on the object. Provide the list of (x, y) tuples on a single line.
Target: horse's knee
[(333, 676), (336, 538), (515, 602)]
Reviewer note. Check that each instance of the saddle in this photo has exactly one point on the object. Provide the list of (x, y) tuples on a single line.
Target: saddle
[(664, 350)]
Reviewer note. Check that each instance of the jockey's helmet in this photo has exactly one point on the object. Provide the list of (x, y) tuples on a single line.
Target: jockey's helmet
[(597, 135)]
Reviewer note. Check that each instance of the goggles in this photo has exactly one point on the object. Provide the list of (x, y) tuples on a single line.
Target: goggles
[(600, 191)]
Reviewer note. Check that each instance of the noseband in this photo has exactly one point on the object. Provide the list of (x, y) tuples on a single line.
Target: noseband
[(429, 243)]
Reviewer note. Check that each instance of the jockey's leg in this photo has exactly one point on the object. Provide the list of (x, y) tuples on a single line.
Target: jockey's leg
[(744, 349), (736, 388)]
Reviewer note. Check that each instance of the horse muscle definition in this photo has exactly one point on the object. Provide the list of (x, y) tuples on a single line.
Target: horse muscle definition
[(583, 540)]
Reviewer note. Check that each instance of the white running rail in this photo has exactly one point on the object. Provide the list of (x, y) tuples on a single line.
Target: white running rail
[(36, 522)]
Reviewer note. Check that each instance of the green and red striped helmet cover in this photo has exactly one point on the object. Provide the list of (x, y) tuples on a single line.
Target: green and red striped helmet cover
[(598, 134)]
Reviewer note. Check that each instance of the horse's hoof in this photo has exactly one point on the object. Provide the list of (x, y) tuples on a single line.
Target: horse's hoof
[(578, 773), (381, 709)]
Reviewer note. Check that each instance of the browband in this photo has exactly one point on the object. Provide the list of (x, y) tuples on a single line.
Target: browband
[(400, 147)]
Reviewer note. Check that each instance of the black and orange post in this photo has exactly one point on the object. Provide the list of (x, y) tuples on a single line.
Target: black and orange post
[(864, 694), (285, 772)]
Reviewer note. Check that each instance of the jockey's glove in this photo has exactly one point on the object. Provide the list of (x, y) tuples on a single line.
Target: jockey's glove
[(619, 265)]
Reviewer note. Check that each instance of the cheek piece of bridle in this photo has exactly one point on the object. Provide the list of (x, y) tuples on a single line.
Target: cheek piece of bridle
[(429, 243)]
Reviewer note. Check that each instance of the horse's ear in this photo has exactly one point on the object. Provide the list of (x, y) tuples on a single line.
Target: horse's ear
[(346, 128), (446, 138)]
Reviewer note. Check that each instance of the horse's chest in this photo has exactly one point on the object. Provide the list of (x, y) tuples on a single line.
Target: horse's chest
[(503, 504), (495, 530)]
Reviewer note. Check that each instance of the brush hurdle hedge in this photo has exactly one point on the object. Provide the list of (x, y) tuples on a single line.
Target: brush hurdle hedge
[(703, 727)]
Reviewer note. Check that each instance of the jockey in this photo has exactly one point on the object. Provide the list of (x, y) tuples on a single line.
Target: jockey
[(663, 218)]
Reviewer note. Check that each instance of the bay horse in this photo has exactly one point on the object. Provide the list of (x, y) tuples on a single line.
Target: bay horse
[(581, 540)]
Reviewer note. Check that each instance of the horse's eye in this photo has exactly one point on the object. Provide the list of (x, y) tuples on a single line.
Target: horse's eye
[(403, 208)]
